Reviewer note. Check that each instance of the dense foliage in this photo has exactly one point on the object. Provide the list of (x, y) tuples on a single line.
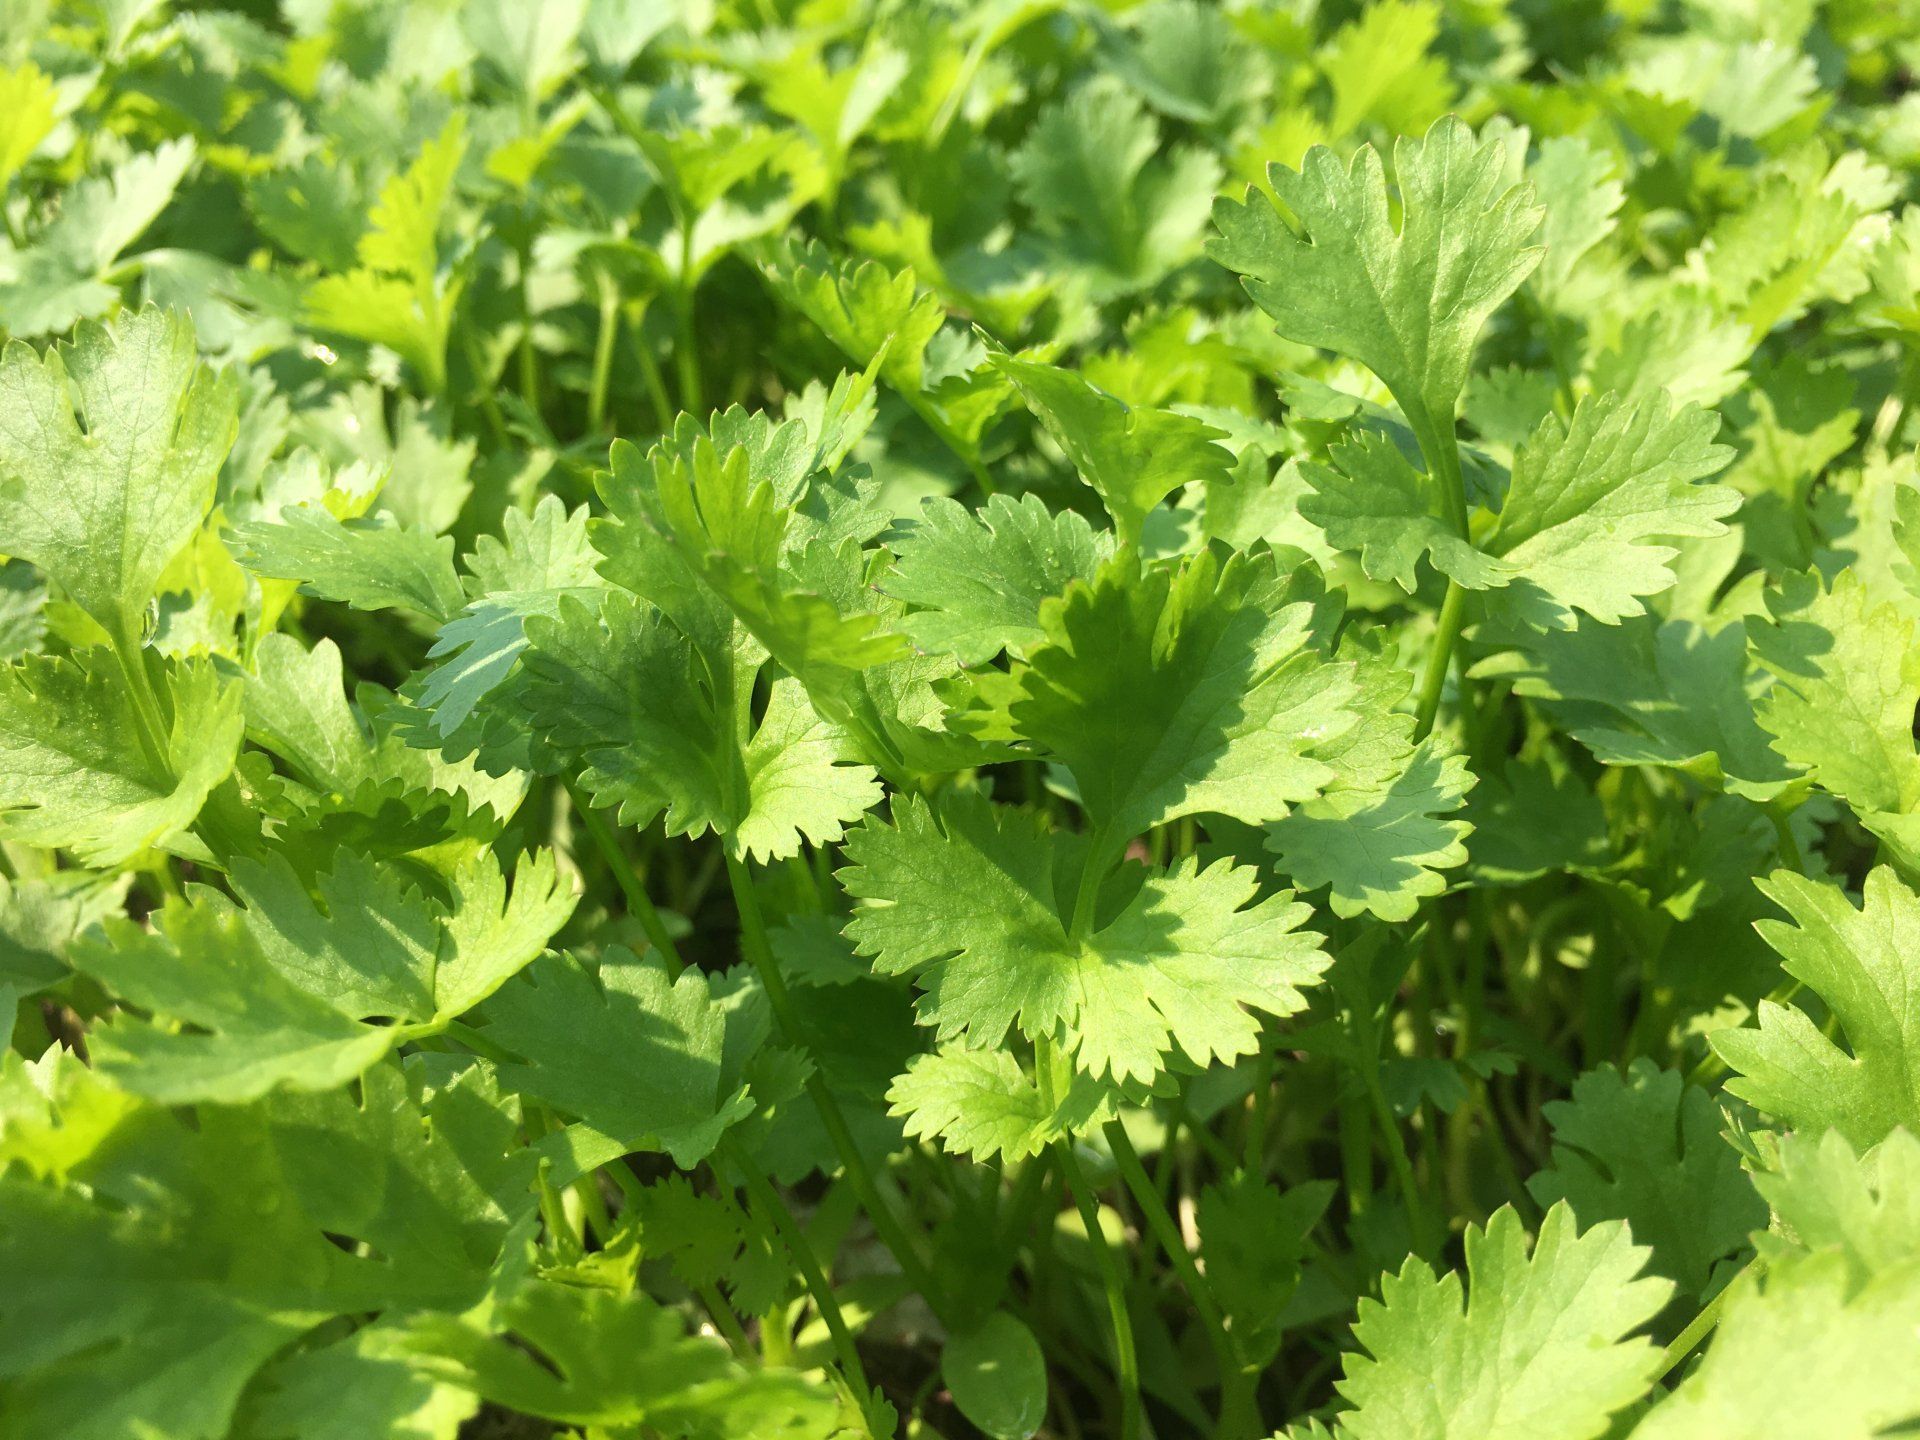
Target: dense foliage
[(810, 717)]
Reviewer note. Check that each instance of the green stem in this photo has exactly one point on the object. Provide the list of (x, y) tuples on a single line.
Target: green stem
[(893, 1233), (603, 341), (724, 1320), (1442, 454), (1701, 1326), (775, 1209), (1433, 679), (1086, 897), (1126, 1360), (149, 720), (639, 904), (685, 358), (529, 368), (1789, 846), (1239, 1414)]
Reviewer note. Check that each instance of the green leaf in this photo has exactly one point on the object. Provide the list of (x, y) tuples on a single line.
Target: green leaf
[(373, 1382), (1380, 847), (1372, 502), (864, 308), (1181, 691), (1865, 964), (372, 564), (1587, 497), (637, 1055), (280, 989), (1827, 1198), (998, 1377), (109, 449), (965, 897), (1406, 302), (1646, 1148), (1579, 189), (1650, 693), (165, 1260), (75, 771), (979, 577), (1538, 1351), (1133, 458), (1254, 1238), (28, 102), (1576, 529), (1847, 674), (296, 707), (622, 693), (1802, 1350), (539, 559), (1118, 204), (66, 276), (595, 1358), (980, 1103), (39, 919), (1380, 68)]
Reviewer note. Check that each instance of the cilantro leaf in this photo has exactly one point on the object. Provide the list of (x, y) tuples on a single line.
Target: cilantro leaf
[(636, 1055), (1370, 500), (109, 449), (980, 1103), (1539, 1349), (979, 577), (538, 559), (370, 564), (1646, 692), (1120, 206), (1380, 847), (1177, 691), (75, 771), (1585, 499), (1133, 458), (281, 988), (164, 1262), (1646, 1148), (1588, 495), (1827, 1198), (1848, 678), (1862, 963), (1408, 303), (621, 691), (1854, 1358), (1177, 965)]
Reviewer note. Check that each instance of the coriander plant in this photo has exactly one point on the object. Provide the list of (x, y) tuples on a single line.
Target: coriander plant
[(827, 718)]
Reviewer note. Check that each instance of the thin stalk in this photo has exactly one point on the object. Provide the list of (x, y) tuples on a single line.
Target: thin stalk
[(1433, 678), (892, 1231), (529, 368), (1239, 1414), (1398, 1160), (724, 1320), (1126, 1360), (1789, 846), (1688, 1340), (639, 905), (650, 375), (603, 341), (1260, 1108), (1442, 454), (775, 1209), (776, 1345), (1087, 896), (686, 361)]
